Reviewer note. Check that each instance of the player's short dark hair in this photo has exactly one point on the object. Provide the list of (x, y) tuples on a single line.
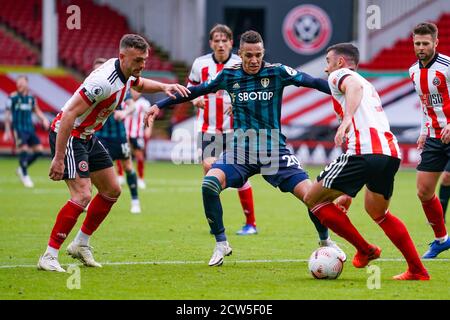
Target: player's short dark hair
[(347, 50), (251, 36), (134, 41), (425, 28), (22, 76), (99, 60), (221, 28)]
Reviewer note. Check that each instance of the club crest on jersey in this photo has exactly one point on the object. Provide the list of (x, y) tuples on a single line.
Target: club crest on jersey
[(436, 81), (237, 86), (265, 82), (83, 166)]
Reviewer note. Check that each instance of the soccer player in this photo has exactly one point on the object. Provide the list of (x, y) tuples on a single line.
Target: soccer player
[(81, 160), (20, 106), (214, 119), (114, 138), (431, 78), (372, 159), (258, 146), (138, 133)]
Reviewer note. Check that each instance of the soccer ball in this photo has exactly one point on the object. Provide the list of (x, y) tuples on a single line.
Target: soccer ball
[(325, 263)]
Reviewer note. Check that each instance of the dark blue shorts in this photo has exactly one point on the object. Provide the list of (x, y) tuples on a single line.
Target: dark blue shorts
[(118, 149), (137, 143), (281, 169), (212, 145), (29, 138)]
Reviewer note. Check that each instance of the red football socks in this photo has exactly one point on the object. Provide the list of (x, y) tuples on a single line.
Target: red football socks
[(396, 231), (246, 197), (66, 219), (97, 212), (335, 219), (435, 216)]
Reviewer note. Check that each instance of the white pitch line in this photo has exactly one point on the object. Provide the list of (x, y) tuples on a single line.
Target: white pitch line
[(130, 263)]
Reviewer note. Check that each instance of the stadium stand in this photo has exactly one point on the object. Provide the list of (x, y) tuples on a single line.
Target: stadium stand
[(77, 48), (399, 56), (15, 52)]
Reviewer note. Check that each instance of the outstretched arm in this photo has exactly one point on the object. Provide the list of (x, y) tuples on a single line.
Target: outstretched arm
[(195, 91), (151, 86), (315, 83)]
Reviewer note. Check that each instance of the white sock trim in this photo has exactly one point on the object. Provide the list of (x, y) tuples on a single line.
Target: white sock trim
[(442, 239), (52, 251), (246, 186), (82, 238)]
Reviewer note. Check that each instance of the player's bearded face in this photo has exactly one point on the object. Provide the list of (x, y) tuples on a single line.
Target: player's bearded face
[(252, 55), (133, 61), (424, 46)]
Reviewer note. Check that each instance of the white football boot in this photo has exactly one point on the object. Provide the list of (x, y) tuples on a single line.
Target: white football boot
[(121, 180), (332, 244), (48, 262), (221, 250), (82, 253), (135, 206), (26, 180), (141, 184)]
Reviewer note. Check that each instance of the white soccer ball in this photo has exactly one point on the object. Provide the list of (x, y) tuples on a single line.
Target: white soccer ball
[(325, 263)]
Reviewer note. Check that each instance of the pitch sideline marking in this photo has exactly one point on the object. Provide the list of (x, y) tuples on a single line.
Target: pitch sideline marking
[(128, 263)]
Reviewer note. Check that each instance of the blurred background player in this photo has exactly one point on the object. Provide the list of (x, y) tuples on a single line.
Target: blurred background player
[(113, 136), (214, 118), (444, 190), (138, 133), (81, 160), (431, 79), (20, 107), (372, 160), (256, 87)]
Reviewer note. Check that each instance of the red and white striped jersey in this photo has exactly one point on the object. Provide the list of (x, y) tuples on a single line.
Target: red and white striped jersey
[(432, 84), (103, 90), (370, 131), (134, 123), (213, 118)]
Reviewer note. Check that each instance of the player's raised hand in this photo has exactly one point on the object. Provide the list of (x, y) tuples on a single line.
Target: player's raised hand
[(171, 89), (150, 116), (57, 169)]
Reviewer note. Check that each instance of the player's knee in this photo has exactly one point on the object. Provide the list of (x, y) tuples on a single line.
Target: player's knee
[(114, 191), (211, 186), (83, 198), (206, 166), (309, 200), (424, 193), (445, 179)]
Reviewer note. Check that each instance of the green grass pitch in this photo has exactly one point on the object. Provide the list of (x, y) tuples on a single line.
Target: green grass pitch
[(163, 252)]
